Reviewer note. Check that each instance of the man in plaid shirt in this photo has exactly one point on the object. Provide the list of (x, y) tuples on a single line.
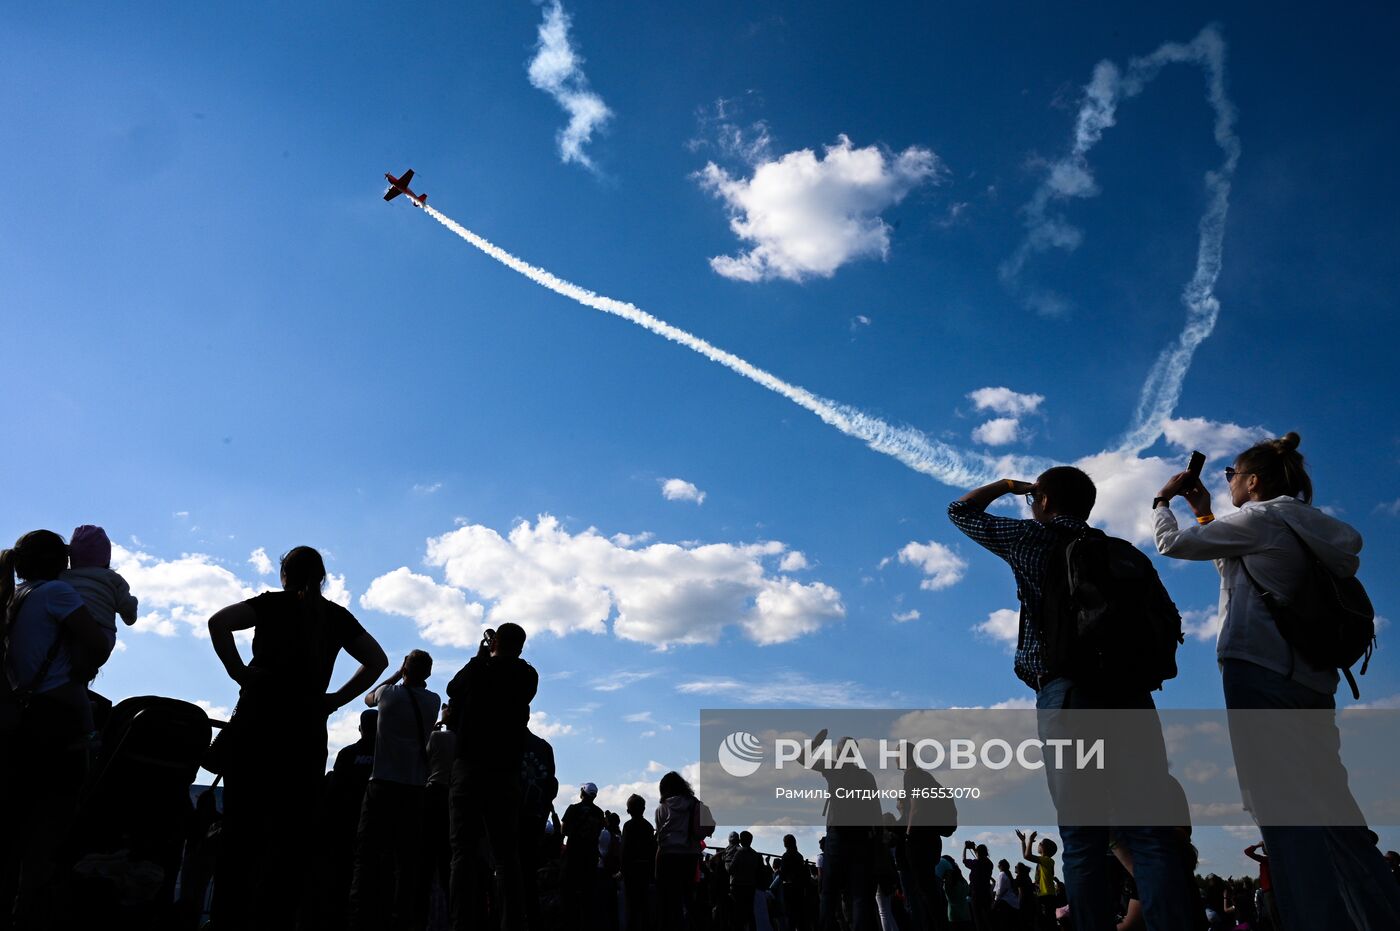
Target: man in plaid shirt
[(1060, 501)]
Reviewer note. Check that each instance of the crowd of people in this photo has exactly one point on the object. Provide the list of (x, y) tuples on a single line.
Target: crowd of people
[(443, 813)]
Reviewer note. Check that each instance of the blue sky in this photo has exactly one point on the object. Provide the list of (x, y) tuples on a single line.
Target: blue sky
[(222, 341)]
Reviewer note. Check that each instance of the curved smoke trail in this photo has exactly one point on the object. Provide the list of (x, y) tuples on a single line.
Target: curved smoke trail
[(916, 449), (1072, 177)]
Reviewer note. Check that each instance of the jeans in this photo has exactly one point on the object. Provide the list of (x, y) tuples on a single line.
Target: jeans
[(386, 891), (1323, 877), (1158, 862)]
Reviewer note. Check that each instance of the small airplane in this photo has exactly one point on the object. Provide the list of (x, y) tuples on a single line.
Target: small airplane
[(399, 186)]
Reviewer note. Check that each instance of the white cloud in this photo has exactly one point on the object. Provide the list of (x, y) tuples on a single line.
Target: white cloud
[(629, 540), (1214, 438), (342, 730), (782, 688), (640, 717), (906, 616), (1391, 508), (1126, 486), (179, 593), (1390, 701), (808, 216), (1018, 702), (215, 712), (557, 70), (542, 726), (793, 561), (613, 796), (1001, 626), (998, 432), (427, 488), (260, 562), (1203, 624), (1001, 400), (544, 578), (443, 614), (619, 680), (678, 489), (942, 566)]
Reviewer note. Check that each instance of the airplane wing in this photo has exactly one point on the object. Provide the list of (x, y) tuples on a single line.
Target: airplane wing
[(407, 177), (391, 192)]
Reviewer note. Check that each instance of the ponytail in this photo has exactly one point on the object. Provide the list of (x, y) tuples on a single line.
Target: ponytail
[(1280, 467)]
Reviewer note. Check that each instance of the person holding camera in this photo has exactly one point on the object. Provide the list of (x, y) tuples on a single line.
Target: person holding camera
[(1321, 874), (490, 698)]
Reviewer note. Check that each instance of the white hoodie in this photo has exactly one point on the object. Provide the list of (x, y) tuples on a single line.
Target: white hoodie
[(1259, 531)]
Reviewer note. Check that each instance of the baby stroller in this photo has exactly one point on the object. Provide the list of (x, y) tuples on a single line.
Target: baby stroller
[(134, 815)]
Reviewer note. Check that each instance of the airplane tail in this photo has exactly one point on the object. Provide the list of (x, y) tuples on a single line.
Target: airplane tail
[(422, 199)]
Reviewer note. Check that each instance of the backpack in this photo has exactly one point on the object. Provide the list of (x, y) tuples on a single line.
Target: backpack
[(696, 825), (1105, 615), (1330, 621)]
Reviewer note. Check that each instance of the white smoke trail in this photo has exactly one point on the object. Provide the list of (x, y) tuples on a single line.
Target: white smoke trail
[(914, 448), (1071, 176)]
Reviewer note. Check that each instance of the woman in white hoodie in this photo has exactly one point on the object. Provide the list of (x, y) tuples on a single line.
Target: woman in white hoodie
[(1324, 877)]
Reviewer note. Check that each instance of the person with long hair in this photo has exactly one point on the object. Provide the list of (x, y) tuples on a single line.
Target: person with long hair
[(1323, 877), (274, 768), (682, 824), (42, 761)]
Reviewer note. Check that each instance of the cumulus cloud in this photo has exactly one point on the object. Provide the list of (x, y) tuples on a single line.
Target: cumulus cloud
[(547, 579), (1216, 439), (557, 69), (678, 489), (998, 431), (443, 614), (1001, 626), (1004, 401), (941, 566), (794, 561), (906, 616), (807, 216), (1126, 485), (542, 726), (178, 594), (1203, 624), (260, 562)]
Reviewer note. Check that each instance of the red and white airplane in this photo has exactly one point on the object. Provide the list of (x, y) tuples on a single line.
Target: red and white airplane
[(399, 186)]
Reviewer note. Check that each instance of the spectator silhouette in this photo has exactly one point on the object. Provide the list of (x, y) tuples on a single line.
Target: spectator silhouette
[(792, 869), (1061, 500), (682, 824), (45, 719), (638, 864), (436, 839), (386, 890), (927, 820), (340, 819), (491, 696), (539, 788), (979, 882), (742, 864), (105, 593), (277, 757), (851, 850), (1322, 876), (583, 823)]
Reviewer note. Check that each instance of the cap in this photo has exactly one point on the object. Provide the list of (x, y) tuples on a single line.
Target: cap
[(90, 547), (589, 789)]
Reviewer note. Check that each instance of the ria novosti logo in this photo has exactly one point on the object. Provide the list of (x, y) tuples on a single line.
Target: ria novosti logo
[(740, 754)]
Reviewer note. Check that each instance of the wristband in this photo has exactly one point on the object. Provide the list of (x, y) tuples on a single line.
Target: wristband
[(1205, 520), (1010, 485)]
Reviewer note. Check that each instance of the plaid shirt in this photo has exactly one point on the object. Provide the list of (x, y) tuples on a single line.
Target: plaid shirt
[(1024, 544)]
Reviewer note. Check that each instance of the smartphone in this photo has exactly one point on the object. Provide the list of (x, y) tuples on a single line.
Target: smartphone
[(1198, 462)]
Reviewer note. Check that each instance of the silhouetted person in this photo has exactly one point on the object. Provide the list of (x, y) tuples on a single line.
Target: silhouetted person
[(851, 849), (104, 592), (436, 866), (277, 756), (386, 890), (43, 762), (743, 866), (792, 870), (1323, 875), (539, 788), (927, 820), (583, 821), (1061, 500), (979, 884), (340, 818), (491, 696), (638, 864), (682, 824)]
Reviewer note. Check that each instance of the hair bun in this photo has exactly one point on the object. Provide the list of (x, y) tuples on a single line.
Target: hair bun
[(1289, 441)]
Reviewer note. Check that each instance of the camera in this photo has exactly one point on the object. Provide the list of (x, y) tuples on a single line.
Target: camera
[(488, 637)]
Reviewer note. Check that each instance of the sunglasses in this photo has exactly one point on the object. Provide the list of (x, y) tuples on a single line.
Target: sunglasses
[(1231, 473)]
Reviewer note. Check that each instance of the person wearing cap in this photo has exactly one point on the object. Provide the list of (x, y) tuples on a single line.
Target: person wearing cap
[(583, 822), (104, 592)]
